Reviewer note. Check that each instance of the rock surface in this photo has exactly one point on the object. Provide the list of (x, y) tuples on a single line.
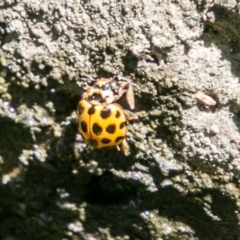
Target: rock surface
[(182, 178)]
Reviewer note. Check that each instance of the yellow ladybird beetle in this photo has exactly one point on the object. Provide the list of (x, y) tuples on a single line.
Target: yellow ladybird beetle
[(101, 121)]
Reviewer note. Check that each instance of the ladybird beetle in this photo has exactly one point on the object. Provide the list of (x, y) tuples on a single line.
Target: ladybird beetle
[(101, 121)]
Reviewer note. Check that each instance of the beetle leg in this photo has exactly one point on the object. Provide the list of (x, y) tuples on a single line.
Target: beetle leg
[(128, 89), (130, 97), (121, 91), (130, 116), (125, 147), (118, 148)]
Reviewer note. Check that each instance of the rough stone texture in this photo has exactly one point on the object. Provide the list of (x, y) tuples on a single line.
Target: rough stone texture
[(182, 178)]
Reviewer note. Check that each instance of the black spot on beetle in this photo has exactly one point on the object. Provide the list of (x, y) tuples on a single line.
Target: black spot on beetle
[(91, 110), (97, 129), (111, 128), (105, 113), (105, 140), (118, 139), (80, 109), (122, 125), (83, 126), (118, 114)]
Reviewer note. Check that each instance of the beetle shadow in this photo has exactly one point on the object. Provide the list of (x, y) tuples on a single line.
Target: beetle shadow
[(111, 197)]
